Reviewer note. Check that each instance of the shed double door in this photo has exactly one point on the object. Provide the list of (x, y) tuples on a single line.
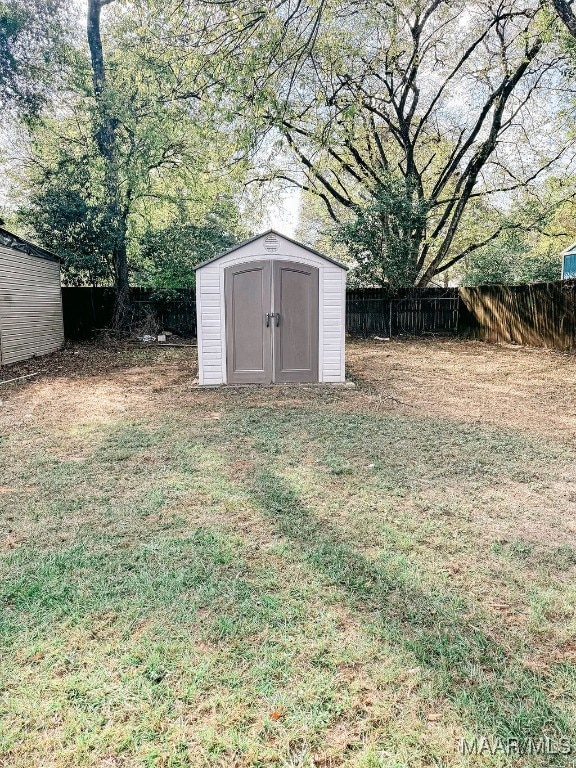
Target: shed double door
[(271, 322)]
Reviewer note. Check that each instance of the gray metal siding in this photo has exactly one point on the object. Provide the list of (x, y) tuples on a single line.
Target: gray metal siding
[(31, 320)]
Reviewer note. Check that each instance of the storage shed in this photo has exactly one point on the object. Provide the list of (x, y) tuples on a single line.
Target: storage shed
[(270, 310), (31, 321)]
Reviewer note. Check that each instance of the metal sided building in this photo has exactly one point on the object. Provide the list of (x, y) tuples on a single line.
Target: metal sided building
[(270, 310), (31, 321), (569, 263)]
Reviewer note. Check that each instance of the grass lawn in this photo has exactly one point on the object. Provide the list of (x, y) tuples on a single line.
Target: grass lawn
[(290, 576)]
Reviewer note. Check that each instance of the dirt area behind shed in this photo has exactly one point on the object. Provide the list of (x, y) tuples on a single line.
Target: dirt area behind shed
[(521, 387)]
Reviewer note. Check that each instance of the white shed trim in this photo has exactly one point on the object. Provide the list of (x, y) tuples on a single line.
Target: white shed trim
[(211, 307)]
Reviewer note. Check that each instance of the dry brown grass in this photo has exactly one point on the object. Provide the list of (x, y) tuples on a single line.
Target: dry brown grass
[(509, 386), (519, 387)]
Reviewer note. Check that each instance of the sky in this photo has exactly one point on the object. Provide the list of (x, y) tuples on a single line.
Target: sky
[(284, 215)]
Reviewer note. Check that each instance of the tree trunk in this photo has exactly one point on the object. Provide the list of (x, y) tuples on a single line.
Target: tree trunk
[(565, 12), (121, 282), (106, 141)]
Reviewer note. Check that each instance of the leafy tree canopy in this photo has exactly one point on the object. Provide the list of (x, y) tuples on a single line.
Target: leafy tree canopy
[(380, 236), (171, 177), (512, 259), (421, 127), (35, 46), (453, 106), (169, 254)]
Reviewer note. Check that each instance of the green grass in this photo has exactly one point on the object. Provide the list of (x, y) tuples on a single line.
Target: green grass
[(286, 585)]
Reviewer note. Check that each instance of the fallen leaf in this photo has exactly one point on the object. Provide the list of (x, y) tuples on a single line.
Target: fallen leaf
[(275, 715)]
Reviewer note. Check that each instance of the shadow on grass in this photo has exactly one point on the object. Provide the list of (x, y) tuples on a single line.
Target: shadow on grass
[(493, 693)]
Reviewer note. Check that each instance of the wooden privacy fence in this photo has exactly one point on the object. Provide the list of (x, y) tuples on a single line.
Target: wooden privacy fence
[(90, 310), (537, 315), (541, 315), (374, 312), (369, 312)]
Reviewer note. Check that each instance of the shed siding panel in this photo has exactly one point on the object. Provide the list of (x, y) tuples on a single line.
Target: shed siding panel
[(30, 306), (210, 338), (333, 324)]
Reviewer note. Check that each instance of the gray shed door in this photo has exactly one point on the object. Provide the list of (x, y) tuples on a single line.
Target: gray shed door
[(295, 322), (248, 296), (271, 322)]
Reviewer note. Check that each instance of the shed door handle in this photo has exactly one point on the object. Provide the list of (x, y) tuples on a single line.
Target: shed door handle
[(277, 319), (268, 319)]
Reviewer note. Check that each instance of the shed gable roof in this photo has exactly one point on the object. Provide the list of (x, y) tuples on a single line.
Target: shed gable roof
[(264, 235), (17, 243)]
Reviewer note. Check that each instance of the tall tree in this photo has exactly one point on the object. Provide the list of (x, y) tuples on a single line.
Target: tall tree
[(428, 106), (105, 134), (133, 149)]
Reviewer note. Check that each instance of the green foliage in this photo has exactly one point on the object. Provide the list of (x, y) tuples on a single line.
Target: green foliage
[(514, 258), (169, 254), (537, 266), (495, 263), (66, 213), (437, 101), (34, 38), (384, 235), (71, 224), (186, 111), (159, 194)]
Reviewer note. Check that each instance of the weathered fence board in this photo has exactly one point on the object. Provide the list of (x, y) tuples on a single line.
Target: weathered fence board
[(537, 315), (367, 316)]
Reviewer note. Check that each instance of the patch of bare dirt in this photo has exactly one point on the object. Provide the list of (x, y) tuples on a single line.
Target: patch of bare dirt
[(91, 383), (518, 387), (78, 360)]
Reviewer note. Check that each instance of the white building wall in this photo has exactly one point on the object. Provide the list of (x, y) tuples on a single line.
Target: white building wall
[(211, 309)]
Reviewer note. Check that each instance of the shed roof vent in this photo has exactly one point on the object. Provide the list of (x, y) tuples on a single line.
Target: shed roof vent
[(271, 243)]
